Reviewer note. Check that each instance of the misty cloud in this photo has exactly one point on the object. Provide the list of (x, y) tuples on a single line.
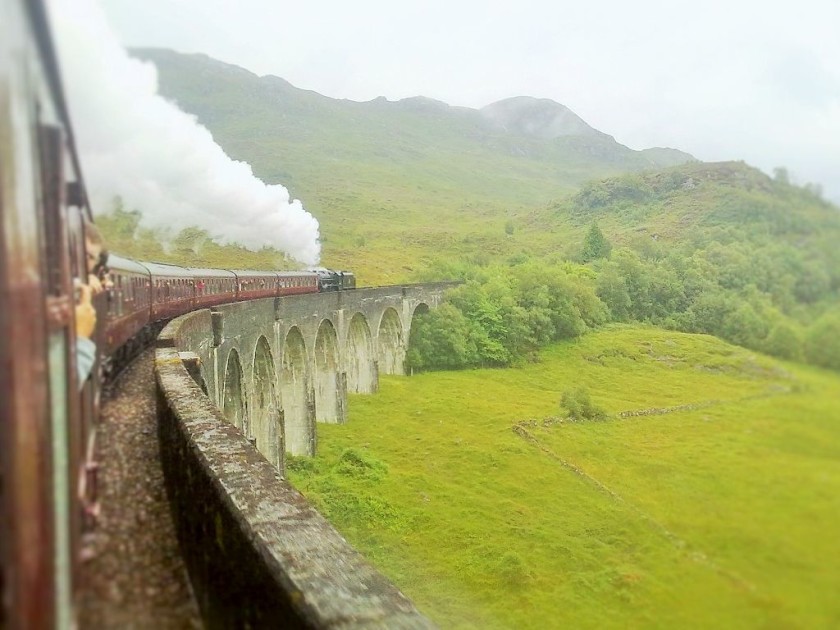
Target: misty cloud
[(158, 159)]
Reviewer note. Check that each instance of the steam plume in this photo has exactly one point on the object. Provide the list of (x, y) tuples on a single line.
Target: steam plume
[(136, 145)]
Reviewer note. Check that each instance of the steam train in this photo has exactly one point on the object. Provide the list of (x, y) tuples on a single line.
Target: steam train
[(142, 295), (48, 419)]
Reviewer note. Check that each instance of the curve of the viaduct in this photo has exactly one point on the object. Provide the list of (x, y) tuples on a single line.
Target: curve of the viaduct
[(241, 385)]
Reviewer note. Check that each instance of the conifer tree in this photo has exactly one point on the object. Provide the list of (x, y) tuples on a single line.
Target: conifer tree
[(595, 245)]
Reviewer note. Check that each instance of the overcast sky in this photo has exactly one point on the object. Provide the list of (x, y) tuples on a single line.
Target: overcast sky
[(757, 80)]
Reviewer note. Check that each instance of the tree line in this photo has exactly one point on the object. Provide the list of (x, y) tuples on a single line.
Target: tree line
[(760, 269)]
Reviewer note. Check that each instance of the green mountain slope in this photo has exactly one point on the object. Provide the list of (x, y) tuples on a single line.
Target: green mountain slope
[(373, 172), (400, 187)]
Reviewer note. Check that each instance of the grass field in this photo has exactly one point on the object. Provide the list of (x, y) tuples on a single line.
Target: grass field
[(716, 508)]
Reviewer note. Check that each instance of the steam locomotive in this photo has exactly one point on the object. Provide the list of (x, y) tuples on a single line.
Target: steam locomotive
[(47, 418)]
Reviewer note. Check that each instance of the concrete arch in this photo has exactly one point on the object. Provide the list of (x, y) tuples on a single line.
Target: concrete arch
[(266, 421), (295, 393), (330, 383), (360, 363), (233, 394), (390, 345)]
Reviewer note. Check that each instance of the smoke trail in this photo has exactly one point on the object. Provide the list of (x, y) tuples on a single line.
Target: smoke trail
[(136, 145)]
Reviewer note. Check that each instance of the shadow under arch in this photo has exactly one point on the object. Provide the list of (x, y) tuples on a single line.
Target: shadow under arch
[(266, 420), (330, 385), (389, 343), (298, 414), (233, 394), (360, 364), (421, 309)]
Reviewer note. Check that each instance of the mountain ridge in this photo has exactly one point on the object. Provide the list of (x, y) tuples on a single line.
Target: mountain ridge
[(526, 116)]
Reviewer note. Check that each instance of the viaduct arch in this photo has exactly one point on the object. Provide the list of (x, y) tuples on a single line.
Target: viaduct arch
[(277, 367)]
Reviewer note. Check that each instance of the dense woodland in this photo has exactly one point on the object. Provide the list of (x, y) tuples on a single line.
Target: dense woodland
[(755, 265)]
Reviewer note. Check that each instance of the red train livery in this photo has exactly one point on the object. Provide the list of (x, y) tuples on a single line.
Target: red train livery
[(143, 294)]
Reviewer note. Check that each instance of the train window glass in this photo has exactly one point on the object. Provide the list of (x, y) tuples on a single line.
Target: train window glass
[(52, 180)]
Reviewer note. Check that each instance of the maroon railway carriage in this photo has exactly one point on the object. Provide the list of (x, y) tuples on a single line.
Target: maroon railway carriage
[(213, 286), (252, 285), (128, 304), (295, 282), (173, 292)]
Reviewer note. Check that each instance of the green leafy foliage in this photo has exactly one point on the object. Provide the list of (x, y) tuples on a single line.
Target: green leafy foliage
[(501, 315), (579, 407), (595, 245), (823, 341)]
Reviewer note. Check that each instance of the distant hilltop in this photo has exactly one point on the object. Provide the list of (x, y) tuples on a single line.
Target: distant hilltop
[(538, 117)]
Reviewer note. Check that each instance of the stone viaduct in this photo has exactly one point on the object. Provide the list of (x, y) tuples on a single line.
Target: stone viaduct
[(240, 385), (277, 366)]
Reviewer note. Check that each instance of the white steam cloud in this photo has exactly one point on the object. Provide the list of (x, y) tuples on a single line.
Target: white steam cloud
[(136, 145)]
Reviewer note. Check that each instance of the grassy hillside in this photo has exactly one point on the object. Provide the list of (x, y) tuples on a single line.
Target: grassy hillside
[(714, 508), (392, 182)]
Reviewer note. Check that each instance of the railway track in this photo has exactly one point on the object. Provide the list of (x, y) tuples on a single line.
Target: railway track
[(132, 575)]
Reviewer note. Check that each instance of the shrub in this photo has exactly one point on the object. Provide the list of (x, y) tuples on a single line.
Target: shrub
[(579, 406)]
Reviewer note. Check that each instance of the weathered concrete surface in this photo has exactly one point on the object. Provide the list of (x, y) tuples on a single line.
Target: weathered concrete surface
[(258, 554)]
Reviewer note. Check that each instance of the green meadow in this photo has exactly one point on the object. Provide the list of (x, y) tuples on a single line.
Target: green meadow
[(715, 505)]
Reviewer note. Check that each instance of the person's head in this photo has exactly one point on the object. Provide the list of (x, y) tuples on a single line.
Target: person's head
[(94, 248)]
